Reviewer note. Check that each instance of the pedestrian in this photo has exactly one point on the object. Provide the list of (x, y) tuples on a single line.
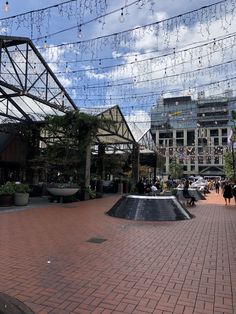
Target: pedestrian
[(140, 187), (234, 193), (187, 195), (227, 193), (217, 187)]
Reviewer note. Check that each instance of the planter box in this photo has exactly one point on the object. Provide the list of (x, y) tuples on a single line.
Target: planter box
[(6, 200)]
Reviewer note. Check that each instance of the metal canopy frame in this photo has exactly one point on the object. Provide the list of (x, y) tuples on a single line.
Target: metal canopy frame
[(115, 128), (146, 143), (29, 89)]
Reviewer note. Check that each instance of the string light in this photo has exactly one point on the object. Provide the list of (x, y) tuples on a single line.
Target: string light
[(6, 7), (79, 31), (45, 45), (121, 18)]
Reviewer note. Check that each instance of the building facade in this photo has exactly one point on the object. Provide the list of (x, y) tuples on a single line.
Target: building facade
[(193, 132)]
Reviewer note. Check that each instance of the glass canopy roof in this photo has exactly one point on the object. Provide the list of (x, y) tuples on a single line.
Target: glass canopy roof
[(29, 90)]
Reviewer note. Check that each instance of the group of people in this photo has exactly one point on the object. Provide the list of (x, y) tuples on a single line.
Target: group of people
[(146, 187)]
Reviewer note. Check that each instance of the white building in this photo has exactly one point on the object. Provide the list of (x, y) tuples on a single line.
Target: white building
[(194, 132)]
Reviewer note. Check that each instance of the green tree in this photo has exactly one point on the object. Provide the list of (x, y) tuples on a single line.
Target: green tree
[(228, 165), (67, 138), (176, 169)]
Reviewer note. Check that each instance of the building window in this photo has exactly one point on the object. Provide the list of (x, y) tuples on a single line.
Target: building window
[(166, 135), (190, 137), (214, 132), (179, 134), (224, 141), (200, 159), (224, 132), (216, 141), (216, 161), (200, 150), (179, 142)]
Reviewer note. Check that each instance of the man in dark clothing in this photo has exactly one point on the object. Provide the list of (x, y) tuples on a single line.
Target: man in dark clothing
[(187, 195), (140, 186)]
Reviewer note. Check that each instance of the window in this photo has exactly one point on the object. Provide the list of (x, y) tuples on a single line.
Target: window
[(216, 141), (224, 132), (214, 132), (200, 159), (179, 134), (166, 135), (179, 142), (190, 137), (224, 141), (200, 150)]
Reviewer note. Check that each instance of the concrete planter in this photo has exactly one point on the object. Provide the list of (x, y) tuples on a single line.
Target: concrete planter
[(21, 199), (62, 191)]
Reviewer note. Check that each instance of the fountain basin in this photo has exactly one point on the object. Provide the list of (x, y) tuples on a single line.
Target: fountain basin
[(149, 208)]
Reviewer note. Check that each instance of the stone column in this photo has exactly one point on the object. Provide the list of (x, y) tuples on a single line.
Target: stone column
[(135, 162), (101, 168), (87, 166)]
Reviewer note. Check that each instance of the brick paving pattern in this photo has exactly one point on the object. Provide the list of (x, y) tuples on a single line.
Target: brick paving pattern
[(177, 267)]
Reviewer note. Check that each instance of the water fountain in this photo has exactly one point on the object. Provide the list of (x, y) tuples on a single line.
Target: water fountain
[(149, 208)]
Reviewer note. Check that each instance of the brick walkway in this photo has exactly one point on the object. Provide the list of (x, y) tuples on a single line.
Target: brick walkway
[(142, 267)]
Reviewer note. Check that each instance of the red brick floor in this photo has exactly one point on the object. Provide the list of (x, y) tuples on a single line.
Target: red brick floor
[(143, 267)]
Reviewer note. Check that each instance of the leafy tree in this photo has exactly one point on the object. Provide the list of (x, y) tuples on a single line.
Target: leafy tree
[(67, 138), (228, 165), (176, 169)]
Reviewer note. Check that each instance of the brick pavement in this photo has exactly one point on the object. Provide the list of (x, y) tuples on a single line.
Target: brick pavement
[(142, 267)]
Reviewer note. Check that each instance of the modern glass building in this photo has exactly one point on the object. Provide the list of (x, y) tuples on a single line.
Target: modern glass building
[(194, 132)]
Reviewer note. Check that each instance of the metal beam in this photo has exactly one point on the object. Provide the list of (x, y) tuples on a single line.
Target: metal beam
[(14, 104)]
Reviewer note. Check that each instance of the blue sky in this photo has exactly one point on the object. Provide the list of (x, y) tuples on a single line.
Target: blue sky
[(181, 57)]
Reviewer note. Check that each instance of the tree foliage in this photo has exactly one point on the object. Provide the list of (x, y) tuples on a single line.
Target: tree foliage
[(228, 165), (67, 138), (176, 169)]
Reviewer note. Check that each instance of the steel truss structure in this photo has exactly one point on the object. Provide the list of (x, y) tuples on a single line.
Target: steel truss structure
[(29, 90)]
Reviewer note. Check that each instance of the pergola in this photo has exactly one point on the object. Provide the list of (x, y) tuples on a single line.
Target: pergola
[(29, 91)]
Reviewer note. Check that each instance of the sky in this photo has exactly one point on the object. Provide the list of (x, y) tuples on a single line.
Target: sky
[(131, 53)]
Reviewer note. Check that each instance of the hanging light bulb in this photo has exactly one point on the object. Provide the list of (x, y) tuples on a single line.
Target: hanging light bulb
[(45, 45), (121, 18), (79, 31), (6, 7)]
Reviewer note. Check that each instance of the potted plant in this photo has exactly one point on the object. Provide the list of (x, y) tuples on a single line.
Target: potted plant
[(21, 195), (6, 194)]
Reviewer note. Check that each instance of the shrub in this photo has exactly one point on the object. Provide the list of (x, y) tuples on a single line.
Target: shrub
[(7, 189), (21, 188)]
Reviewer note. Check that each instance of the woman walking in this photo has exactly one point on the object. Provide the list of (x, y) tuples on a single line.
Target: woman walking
[(227, 193), (234, 193)]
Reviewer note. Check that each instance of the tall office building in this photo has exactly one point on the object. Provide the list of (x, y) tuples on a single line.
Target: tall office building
[(194, 132)]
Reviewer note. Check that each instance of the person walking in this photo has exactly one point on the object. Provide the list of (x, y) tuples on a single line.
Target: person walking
[(227, 193), (234, 193), (187, 195), (217, 187)]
